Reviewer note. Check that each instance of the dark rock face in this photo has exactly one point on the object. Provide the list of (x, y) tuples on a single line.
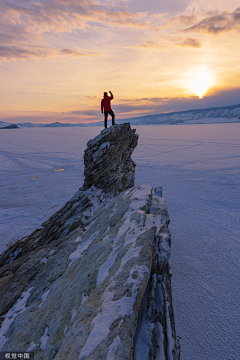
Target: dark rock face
[(13, 126), (107, 159)]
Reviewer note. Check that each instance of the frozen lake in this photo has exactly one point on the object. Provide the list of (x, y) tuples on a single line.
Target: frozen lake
[(198, 168)]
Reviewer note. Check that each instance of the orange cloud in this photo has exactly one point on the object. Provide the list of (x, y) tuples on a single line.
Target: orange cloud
[(18, 53), (24, 30), (45, 18), (148, 45), (183, 42), (217, 24), (184, 20), (189, 42), (77, 53)]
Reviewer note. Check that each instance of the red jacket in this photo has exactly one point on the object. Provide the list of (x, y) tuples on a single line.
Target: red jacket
[(106, 102)]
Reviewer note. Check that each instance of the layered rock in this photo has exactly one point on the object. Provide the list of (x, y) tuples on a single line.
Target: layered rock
[(94, 282), (107, 159)]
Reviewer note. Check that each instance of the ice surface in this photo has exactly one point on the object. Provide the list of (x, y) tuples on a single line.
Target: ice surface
[(26, 203), (198, 168)]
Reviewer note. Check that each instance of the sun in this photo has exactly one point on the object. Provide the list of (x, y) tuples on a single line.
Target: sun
[(198, 81), (201, 82)]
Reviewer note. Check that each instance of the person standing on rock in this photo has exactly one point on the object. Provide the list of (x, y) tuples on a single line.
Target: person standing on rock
[(106, 105)]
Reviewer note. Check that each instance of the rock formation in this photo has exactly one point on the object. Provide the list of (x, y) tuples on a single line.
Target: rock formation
[(107, 160), (94, 283)]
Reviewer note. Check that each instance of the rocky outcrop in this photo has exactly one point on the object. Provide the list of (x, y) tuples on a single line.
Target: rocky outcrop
[(94, 282), (108, 171), (107, 160)]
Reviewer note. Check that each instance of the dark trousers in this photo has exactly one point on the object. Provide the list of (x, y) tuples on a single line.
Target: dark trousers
[(106, 116)]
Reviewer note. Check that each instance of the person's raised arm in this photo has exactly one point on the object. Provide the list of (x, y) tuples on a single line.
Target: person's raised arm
[(111, 95)]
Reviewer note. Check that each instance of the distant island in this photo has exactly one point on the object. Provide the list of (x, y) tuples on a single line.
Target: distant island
[(214, 115), (12, 126)]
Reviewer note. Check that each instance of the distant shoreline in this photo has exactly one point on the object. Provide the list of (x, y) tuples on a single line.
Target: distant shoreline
[(215, 115)]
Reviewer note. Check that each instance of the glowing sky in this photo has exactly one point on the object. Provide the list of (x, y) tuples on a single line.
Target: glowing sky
[(57, 57)]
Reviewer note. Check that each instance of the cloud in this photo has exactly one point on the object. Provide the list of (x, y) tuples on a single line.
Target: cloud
[(189, 42), (152, 99), (139, 107), (25, 23), (90, 97), (77, 53), (67, 16), (85, 112), (220, 23), (183, 20), (183, 42), (149, 45), (17, 53)]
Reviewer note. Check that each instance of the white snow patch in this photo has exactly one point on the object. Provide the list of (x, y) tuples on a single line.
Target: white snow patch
[(74, 314), (10, 316), (133, 252), (84, 298), (153, 220), (160, 355), (113, 348), (65, 330), (139, 200), (164, 246), (81, 248), (126, 193), (43, 297), (32, 347), (44, 260), (110, 312), (144, 340), (51, 252), (78, 239), (44, 339), (104, 269), (13, 255)]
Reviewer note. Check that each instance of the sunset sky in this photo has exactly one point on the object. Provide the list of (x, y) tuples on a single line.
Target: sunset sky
[(57, 57)]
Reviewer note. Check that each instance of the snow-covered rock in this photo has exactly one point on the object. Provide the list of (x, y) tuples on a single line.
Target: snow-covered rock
[(94, 282)]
